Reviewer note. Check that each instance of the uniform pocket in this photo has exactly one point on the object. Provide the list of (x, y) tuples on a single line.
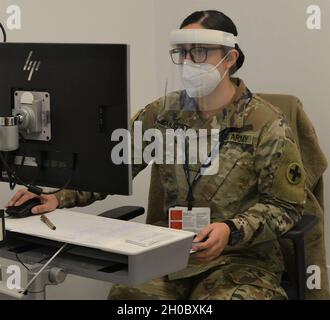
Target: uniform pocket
[(234, 179), (252, 278), (213, 182)]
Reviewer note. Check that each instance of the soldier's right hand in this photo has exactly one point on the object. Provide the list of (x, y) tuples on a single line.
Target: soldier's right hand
[(49, 202)]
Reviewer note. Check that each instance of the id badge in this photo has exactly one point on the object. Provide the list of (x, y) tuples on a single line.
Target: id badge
[(194, 220)]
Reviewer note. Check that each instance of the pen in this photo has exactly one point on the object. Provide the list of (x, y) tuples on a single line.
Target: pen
[(45, 220)]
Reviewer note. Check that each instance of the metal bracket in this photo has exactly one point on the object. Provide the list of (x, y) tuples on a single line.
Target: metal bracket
[(33, 111)]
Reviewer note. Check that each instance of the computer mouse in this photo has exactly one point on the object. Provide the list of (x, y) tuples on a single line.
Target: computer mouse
[(24, 210)]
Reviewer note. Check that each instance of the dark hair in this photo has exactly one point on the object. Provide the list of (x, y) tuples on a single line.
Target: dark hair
[(215, 20)]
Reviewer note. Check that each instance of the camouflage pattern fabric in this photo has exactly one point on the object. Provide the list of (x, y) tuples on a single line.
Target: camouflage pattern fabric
[(260, 184), (230, 282)]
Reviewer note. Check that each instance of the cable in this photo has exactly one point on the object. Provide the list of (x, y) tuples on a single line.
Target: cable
[(3, 32), (32, 188), (44, 267), (21, 262), (12, 183), (64, 251), (69, 247), (33, 180), (24, 155), (60, 189)]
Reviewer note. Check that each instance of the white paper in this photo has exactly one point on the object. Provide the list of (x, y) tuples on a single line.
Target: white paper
[(96, 232)]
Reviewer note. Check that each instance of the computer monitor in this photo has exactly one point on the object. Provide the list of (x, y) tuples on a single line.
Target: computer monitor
[(81, 95)]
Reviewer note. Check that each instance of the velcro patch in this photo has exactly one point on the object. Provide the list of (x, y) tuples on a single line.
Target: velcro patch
[(240, 138), (290, 176), (294, 173)]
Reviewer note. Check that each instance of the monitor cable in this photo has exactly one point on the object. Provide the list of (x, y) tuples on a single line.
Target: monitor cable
[(24, 291), (13, 179), (3, 32)]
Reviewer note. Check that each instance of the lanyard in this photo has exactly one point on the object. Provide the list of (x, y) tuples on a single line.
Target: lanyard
[(223, 136)]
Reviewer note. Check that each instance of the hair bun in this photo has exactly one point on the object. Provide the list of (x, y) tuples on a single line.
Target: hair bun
[(241, 57)]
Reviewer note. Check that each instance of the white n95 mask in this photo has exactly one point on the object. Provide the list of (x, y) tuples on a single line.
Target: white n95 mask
[(199, 80)]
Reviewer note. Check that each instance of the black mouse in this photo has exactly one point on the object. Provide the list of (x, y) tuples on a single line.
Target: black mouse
[(24, 210)]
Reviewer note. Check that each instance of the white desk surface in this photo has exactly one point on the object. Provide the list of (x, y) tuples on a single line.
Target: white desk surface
[(111, 235)]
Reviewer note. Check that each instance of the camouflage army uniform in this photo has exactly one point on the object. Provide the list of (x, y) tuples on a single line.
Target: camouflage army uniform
[(260, 187)]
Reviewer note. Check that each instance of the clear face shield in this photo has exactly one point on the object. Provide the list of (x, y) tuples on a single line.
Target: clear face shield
[(193, 82), (197, 66)]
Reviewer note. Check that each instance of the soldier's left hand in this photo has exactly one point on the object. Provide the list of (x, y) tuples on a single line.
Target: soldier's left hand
[(217, 235)]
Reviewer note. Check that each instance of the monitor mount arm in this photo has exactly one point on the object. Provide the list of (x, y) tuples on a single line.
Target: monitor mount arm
[(30, 118), (9, 134)]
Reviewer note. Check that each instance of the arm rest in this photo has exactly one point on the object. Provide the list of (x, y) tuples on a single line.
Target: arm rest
[(123, 213), (297, 236), (303, 227)]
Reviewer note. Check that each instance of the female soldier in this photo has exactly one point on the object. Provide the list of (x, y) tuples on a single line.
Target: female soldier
[(257, 193)]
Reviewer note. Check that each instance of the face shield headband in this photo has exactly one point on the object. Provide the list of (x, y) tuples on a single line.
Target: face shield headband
[(202, 36)]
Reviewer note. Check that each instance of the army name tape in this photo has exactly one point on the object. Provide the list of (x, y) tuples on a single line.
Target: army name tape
[(240, 138)]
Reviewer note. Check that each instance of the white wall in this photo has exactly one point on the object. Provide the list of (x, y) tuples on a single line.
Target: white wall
[(282, 56)]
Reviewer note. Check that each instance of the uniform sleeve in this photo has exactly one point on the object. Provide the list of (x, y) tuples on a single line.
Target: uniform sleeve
[(144, 119), (72, 198), (147, 117), (281, 187)]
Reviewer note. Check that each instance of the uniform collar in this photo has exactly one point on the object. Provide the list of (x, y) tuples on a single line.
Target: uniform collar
[(233, 114)]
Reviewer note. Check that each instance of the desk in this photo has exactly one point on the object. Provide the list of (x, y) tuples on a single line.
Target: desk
[(102, 248)]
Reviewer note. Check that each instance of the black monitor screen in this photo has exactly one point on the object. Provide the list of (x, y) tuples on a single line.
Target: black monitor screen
[(82, 90)]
